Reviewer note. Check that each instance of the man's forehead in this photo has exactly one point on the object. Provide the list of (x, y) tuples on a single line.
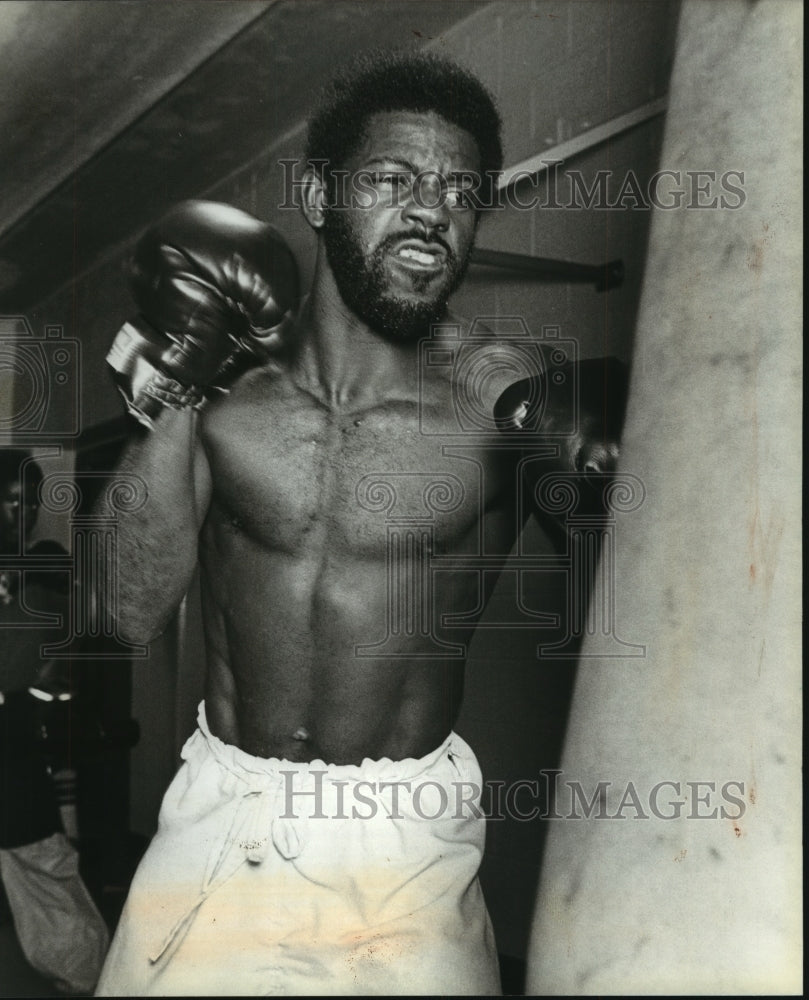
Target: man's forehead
[(424, 138)]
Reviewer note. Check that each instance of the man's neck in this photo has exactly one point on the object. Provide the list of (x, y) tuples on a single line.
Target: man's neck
[(341, 358)]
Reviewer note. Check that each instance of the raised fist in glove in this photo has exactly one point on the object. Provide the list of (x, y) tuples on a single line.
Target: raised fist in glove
[(582, 414), (213, 285)]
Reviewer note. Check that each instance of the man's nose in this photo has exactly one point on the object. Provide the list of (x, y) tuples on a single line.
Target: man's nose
[(428, 202)]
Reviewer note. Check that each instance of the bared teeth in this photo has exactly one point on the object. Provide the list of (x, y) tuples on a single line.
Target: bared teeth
[(418, 255)]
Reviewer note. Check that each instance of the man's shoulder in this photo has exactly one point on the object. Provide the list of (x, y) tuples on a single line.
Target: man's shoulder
[(260, 386), (476, 359)]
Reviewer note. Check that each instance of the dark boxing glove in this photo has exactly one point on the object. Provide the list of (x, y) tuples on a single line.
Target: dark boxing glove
[(213, 285), (582, 413)]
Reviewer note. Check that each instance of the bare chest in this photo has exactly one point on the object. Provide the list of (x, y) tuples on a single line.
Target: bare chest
[(298, 477)]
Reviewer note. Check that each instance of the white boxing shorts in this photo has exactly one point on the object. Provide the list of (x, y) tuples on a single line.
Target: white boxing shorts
[(271, 877)]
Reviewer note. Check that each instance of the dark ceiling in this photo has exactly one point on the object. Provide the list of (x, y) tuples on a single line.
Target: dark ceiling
[(74, 75), (106, 105)]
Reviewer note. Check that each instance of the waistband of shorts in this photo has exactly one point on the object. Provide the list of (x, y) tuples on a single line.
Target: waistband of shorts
[(241, 763)]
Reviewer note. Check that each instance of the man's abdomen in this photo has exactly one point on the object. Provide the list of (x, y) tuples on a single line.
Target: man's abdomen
[(332, 659)]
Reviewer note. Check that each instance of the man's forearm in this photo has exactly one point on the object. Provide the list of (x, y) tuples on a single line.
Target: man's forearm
[(157, 543)]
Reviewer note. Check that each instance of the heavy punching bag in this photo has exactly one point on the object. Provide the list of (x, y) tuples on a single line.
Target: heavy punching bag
[(676, 867)]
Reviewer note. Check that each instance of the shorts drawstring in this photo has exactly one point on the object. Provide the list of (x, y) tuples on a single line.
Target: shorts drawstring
[(261, 797), (257, 822)]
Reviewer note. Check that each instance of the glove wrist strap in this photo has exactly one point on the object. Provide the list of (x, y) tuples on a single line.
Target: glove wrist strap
[(145, 388), (170, 392)]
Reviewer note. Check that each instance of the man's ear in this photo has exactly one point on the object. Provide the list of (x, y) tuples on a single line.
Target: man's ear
[(314, 198)]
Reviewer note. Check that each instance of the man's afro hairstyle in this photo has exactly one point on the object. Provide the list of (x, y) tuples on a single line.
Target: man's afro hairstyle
[(402, 81)]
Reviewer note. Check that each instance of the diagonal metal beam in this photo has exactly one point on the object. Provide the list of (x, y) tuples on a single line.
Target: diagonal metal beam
[(582, 142)]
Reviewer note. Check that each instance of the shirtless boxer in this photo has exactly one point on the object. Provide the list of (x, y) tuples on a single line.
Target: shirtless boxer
[(268, 874)]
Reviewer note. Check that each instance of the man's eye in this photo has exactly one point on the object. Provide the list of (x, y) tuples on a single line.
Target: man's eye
[(392, 179), (459, 198)]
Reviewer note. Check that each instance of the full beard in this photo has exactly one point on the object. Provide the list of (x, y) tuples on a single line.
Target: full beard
[(364, 285)]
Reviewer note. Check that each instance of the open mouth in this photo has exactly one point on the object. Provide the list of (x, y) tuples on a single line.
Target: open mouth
[(423, 256)]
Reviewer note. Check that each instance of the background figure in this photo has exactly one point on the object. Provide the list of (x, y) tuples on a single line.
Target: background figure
[(58, 926)]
